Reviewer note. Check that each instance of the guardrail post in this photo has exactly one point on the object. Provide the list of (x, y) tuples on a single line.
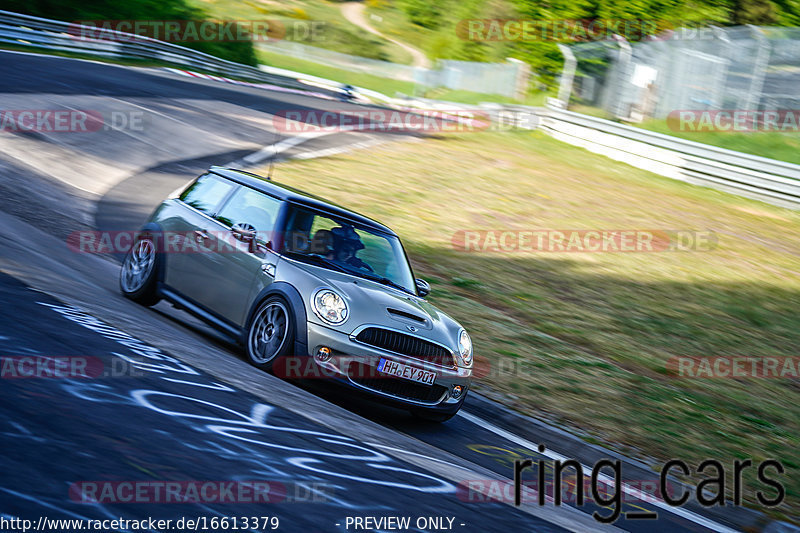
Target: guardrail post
[(567, 74), (719, 33), (759, 70), (522, 78), (624, 55)]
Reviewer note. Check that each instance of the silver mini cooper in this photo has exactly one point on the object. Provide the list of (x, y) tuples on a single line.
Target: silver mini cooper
[(308, 288)]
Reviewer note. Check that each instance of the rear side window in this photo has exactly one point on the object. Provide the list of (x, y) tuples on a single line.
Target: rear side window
[(248, 206), (207, 192)]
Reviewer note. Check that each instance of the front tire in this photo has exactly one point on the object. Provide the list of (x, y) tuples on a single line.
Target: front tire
[(270, 335), (138, 277)]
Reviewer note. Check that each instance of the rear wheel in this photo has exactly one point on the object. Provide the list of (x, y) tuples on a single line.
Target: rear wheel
[(139, 274), (271, 333)]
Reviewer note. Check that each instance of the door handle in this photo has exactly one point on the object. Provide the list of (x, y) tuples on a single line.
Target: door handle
[(201, 235)]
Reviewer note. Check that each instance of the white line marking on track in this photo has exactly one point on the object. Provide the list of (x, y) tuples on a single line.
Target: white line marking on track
[(408, 452), (274, 149)]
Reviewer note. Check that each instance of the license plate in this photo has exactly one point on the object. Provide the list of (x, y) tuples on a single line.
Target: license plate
[(410, 373)]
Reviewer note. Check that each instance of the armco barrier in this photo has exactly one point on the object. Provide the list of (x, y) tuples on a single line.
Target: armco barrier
[(747, 175), (35, 32)]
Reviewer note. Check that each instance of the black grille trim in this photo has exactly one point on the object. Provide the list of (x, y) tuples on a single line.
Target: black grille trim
[(399, 388), (408, 345), (404, 314)]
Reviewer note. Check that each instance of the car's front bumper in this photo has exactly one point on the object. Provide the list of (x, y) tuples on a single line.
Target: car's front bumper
[(347, 355)]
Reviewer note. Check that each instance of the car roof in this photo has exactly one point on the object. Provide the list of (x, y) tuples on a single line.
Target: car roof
[(295, 196)]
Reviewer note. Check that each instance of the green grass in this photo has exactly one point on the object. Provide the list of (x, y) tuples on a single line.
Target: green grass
[(771, 144), (391, 21), (775, 145), (441, 41), (467, 97), (589, 334), (386, 86), (337, 33), (376, 83)]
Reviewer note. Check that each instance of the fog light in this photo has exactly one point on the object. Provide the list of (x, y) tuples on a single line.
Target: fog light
[(323, 354), (457, 390)]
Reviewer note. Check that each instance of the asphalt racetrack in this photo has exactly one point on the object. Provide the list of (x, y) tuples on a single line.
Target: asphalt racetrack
[(192, 411)]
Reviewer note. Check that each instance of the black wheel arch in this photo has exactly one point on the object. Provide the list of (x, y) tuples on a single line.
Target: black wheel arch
[(296, 305)]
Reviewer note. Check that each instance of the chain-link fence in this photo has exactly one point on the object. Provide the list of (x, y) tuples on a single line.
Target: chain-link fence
[(507, 79), (744, 68)]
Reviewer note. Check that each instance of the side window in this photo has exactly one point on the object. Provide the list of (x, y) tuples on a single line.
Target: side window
[(322, 223), (207, 192), (248, 206)]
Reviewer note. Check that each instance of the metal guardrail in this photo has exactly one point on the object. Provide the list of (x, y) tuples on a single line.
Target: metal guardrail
[(764, 179), (35, 32), (747, 175)]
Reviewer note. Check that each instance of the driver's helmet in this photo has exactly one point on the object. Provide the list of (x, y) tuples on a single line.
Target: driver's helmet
[(346, 238)]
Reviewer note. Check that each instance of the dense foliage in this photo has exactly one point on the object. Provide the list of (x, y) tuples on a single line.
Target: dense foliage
[(240, 51), (443, 17)]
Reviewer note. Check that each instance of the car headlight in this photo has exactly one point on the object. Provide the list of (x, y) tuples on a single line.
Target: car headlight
[(330, 307), (465, 347)]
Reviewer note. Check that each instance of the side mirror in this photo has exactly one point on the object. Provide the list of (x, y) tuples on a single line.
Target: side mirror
[(423, 287), (244, 232)]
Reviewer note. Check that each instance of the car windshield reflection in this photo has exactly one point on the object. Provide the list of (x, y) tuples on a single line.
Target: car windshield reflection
[(342, 246)]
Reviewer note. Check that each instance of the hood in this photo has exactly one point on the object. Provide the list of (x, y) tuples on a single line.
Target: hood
[(370, 302)]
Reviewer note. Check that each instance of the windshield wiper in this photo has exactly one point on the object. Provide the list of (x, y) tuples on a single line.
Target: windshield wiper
[(387, 281)]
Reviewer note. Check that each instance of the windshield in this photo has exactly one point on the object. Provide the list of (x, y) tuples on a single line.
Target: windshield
[(339, 245)]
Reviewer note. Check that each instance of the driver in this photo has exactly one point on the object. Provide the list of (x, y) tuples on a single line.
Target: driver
[(346, 243)]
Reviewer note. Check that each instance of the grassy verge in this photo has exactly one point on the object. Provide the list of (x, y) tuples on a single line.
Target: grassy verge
[(775, 145), (386, 86), (583, 339), (439, 38), (391, 21), (771, 144), (336, 33), (383, 85)]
